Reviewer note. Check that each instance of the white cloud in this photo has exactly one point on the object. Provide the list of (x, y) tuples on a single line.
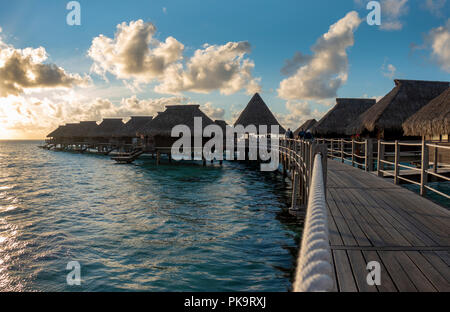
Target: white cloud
[(164, 9), (389, 70), (134, 54), (215, 67), (392, 11), (297, 113), (326, 70), (24, 69), (214, 113), (439, 39), (435, 6), (33, 117)]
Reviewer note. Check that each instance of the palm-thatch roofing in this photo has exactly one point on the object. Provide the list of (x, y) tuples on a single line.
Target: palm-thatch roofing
[(340, 116), (71, 130), (257, 113), (86, 127), (107, 128), (305, 126), (175, 115), (389, 113), (56, 133), (432, 119), (130, 129)]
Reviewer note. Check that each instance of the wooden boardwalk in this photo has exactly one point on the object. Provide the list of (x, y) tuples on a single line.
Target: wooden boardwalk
[(371, 219)]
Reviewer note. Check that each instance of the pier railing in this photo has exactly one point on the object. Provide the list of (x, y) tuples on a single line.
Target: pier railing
[(306, 162), (398, 159)]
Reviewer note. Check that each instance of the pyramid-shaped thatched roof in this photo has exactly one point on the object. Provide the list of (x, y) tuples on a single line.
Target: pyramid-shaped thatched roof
[(389, 113), (257, 113), (56, 133), (175, 115), (107, 128), (340, 116), (432, 119), (131, 128), (305, 126)]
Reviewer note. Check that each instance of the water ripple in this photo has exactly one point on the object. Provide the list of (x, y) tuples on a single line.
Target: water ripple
[(140, 227)]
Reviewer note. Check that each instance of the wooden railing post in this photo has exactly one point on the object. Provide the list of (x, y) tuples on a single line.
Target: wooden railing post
[(353, 152), (369, 155), (396, 161), (380, 158), (424, 167), (436, 159), (342, 150), (332, 149)]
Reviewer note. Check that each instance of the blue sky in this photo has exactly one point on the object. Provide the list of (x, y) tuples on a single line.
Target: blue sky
[(275, 31)]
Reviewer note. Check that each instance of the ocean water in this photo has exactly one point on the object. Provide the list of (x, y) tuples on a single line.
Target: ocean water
[(141, 227)]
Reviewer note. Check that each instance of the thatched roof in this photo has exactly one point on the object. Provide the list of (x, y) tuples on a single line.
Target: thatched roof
[(107, 128), (305, 126), (175, 115), (257, 113), (432, 119), (86, 127), (71, 130), (131, 128), (403, 101), (341, 115), (56, 133)]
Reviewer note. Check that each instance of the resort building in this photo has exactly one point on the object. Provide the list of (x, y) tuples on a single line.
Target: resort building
[(307, 125), (128, 133), (384, 119), (336, 121), (258, 113)]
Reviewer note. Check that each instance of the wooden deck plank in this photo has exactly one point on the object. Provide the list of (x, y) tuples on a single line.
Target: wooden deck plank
[(344, 274), (346, 235), (344, 204), (399, 277), (429, 271), (387, 285), (358, 264), (372, 219), (387, 233)]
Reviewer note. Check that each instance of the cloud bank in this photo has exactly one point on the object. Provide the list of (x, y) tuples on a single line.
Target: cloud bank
[(24, 69), (325, 71), (134, 54)]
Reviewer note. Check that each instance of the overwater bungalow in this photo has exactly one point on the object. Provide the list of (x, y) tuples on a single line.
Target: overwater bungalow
[(307, 125), (432, 121), (103, 133), (258, 113), (86, 127), (70, 133), (128, 133), (55, 135), (384, 119), (335, 122), (157, 132)]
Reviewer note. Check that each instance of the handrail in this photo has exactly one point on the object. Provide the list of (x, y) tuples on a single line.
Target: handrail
[(314, 270), (362, 153)]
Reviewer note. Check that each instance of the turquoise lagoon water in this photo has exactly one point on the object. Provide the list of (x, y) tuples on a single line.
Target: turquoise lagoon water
[(141, 227)]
